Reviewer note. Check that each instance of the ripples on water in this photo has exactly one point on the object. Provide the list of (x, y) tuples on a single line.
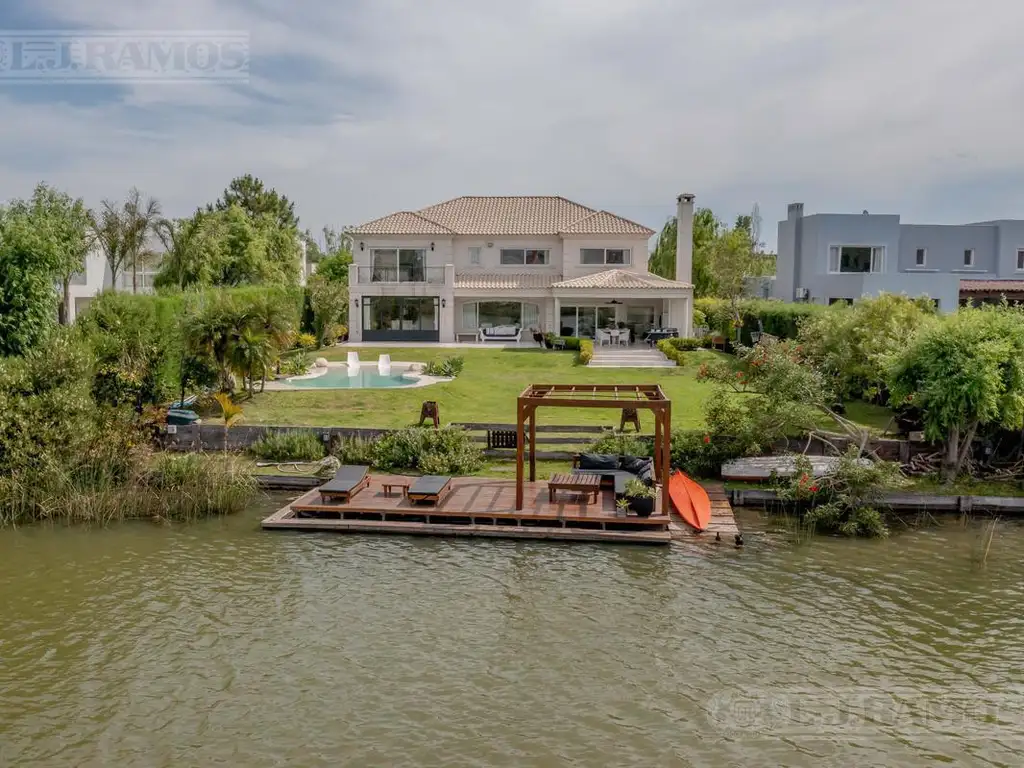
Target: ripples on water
[(218, 644)]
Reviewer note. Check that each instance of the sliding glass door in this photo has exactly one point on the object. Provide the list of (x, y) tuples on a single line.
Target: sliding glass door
[(583, 321), (400, 318)]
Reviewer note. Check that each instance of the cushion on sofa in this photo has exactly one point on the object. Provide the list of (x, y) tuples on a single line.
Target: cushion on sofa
[(599, 461), (634, 464), (646, 475)]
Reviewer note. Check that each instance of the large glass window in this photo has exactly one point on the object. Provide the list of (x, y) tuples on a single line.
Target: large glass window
[(531, 257), (584, 321), (488, 314), (386, 313), (856, 259), (399, 265), (601, 256)]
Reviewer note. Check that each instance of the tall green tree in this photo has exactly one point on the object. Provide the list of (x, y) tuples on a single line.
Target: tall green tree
[(334, 257), (249, 193), (123, 231), (28, 272), (189, 250), (963, 372), (329, 301), (65, 228), (663, 261)]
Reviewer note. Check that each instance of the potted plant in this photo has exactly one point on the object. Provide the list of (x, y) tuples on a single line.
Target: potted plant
[(640, 497), (621, 507)]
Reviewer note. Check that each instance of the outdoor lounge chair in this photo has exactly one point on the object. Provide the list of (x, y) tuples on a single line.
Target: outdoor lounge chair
[(430, 489), (346, 483)]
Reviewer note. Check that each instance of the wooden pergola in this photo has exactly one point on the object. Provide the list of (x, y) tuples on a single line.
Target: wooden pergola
[(647, 396)]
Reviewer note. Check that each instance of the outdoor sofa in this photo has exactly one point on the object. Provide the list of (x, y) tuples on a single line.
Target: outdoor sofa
[(500, 333), (615, 471)]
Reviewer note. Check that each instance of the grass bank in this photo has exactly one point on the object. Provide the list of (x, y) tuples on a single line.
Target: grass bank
[(487, 389)]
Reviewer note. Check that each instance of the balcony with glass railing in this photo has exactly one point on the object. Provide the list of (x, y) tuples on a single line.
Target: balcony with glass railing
[(405, 274)]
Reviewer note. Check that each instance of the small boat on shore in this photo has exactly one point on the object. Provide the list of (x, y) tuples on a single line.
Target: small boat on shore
[(690, 500)]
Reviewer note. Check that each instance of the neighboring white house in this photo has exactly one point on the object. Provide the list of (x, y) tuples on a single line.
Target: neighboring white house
[(96, 278), (446, 272)]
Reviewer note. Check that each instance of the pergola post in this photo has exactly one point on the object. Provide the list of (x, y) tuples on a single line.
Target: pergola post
[(520, 412), (532, 415), (666, 457)]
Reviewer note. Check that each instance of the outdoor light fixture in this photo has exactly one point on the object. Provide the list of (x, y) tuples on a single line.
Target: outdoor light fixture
[(431, 246), (362, 246), (443, 304), (356, 302)]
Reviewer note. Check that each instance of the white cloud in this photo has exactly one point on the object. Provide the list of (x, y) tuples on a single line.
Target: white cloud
[(358, 109)]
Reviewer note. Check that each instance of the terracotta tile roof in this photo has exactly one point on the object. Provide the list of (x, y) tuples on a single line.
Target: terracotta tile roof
[(605, 223), (990, 286), (401, 223), (528, 215), (623, 279), (505, 281)]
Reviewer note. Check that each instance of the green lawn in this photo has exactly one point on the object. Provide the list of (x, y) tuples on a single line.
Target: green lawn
[(487, 389), (485, 392)]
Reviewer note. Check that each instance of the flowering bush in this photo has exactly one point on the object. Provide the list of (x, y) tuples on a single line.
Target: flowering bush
[(847, 499)]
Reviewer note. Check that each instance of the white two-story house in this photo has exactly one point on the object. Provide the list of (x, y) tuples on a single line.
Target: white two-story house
[(541, 264)]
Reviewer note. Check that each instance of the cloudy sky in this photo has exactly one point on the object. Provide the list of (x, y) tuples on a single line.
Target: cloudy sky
[(357, 108)]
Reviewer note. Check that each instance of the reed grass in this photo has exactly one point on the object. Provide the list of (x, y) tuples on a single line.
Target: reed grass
[(162, 487)]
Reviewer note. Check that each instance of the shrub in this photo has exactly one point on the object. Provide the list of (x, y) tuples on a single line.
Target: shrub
[(448, 368), (674, 349), (353, 450), (305, 341), (449, 451), (586, 353), (297, 445), (194, 485), (621, 444), (701, 454), (295, 365), (846, 500)]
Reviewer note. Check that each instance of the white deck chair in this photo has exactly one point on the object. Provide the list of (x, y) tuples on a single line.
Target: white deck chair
[(384, 364), (353, 363)]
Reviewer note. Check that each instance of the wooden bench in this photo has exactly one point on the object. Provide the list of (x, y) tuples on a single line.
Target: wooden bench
[(589, 485)]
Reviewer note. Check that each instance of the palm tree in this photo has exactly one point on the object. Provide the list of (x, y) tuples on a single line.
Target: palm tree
[(110, 236), (251, 355), (138, 221), (185, 244)]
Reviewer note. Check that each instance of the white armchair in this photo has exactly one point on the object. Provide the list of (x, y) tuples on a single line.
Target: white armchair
[(603, 337), (624, 335)]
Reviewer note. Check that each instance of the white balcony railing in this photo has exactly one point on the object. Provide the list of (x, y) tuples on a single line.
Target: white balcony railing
[(423, 275)]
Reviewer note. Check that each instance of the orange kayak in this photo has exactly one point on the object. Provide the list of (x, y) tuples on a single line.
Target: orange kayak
[(690, 501)]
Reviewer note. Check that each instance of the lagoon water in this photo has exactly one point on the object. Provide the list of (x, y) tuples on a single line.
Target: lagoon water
[(219, 644)]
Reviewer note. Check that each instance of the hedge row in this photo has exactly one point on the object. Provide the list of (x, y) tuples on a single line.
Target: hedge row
[(777, 318)]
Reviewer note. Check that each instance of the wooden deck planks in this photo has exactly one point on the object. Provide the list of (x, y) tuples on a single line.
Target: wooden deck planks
[(723, 521), (476, 507)]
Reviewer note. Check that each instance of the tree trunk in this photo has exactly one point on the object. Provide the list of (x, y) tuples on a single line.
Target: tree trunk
[(113, 278), (64, 308), (135, 275), (965, 449), (951, 460)]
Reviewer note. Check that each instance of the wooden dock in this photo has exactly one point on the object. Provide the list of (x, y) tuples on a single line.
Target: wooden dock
[(723, 522), (479, 507)]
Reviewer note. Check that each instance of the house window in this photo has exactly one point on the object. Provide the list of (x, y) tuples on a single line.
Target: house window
[(921, 258), (401, 313), (474, 255), (856, 259), (969, 257), (488, 314), (602, 256), (1020, 259), (399, 265), (531, 257)]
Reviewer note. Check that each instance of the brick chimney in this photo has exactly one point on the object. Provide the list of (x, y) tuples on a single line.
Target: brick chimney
[(684, 238)]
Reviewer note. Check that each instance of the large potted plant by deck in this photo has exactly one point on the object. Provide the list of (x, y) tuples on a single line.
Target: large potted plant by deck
[(641, 497)]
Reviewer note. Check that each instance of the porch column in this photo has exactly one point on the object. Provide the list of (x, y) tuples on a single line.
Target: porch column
[(557, 320), (355, 318)]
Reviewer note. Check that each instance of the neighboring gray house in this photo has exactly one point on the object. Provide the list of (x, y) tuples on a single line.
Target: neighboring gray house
[(829, 257)]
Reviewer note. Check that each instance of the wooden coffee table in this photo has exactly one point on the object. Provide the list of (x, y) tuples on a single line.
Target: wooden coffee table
[(581, 483), (390, 486)]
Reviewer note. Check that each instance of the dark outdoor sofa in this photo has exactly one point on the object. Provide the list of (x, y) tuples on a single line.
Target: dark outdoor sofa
[(615, 471)]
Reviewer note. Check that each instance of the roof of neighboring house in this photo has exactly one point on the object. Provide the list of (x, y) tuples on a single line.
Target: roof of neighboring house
[(991, 286), (622, 279), (526, 215), (504, 281)]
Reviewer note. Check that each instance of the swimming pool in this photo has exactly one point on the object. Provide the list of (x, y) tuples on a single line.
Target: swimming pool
[(364, 378)]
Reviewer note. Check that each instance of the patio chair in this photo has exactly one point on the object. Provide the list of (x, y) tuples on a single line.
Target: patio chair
[(624, 335), (603, 337), (346, 483), (430, 489)]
